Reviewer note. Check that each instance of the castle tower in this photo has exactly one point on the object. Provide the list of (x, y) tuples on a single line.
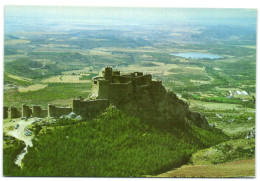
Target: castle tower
[(107, 73), (26, 111)]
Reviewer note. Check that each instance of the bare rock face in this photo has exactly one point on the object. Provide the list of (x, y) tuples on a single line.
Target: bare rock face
[(164, 109), (172, 108), (198, 119)]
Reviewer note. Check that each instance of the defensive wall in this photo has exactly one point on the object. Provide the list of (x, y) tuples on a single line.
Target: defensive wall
[(15, 113), (26, 111), (120, 91), (54, 111), (5, 112), (84, 108), (37, 111), (80, 107)]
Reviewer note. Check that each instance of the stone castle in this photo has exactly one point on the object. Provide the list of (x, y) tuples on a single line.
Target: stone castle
[(109, 88), (135, 93), (115, 86)]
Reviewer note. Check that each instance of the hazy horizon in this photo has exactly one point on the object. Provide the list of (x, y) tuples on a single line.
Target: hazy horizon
[(30, 18)]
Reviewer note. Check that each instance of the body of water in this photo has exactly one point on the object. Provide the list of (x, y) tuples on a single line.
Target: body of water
[(195, 55)]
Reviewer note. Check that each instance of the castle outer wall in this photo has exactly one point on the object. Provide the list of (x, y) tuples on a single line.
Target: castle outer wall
[(84, 108), (37, 111), (54, 111)]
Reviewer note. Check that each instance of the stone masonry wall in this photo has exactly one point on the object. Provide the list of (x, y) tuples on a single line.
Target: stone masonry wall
[(5, 112), (54, 111), (119, 92), (103, 89), (37, 111), (84, 108), (26, 111), (143, 80), (15, 113)]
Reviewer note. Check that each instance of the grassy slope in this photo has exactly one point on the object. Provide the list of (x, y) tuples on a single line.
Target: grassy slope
[(224, 152), (241, 168), (113, 145)]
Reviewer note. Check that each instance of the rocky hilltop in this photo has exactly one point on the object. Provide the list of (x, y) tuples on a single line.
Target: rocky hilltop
[(137, 94)]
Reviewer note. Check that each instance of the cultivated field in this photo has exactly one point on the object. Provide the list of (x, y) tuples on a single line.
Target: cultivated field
[(65, 79), (33, 87)]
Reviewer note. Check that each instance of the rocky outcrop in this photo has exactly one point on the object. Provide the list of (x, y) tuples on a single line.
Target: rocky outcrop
[(163, 110), (198, 119), (173, 108)]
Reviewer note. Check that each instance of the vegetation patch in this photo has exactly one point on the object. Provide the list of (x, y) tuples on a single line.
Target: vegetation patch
[(88, 77), (224, 152), (32, 87), (148, 64), (66, 79), (11, 148), (11, 79), (240, 168), (112, 145)]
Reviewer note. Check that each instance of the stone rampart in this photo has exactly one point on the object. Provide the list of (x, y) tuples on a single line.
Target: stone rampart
[(54, 111), (15, 113), (84, 108), (26, 111), (122, 79), (104, 89), (120, 91), (5, 113), (143, 80), (37, 111)]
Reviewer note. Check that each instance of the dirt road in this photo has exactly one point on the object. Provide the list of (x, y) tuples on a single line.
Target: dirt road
[(19, 134)]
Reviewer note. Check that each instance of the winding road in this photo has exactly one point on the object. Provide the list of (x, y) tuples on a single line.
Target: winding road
[(19, 134)]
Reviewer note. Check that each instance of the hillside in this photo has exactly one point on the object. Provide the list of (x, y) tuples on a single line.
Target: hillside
[(113, 144), (128, 139)]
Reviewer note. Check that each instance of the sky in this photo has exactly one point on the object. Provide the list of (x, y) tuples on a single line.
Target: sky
[(46, 15)]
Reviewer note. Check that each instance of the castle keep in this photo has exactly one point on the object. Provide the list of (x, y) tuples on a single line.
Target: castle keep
[(114, 86)]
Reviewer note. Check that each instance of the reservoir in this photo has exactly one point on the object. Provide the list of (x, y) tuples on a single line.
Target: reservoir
[(196, 55)]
